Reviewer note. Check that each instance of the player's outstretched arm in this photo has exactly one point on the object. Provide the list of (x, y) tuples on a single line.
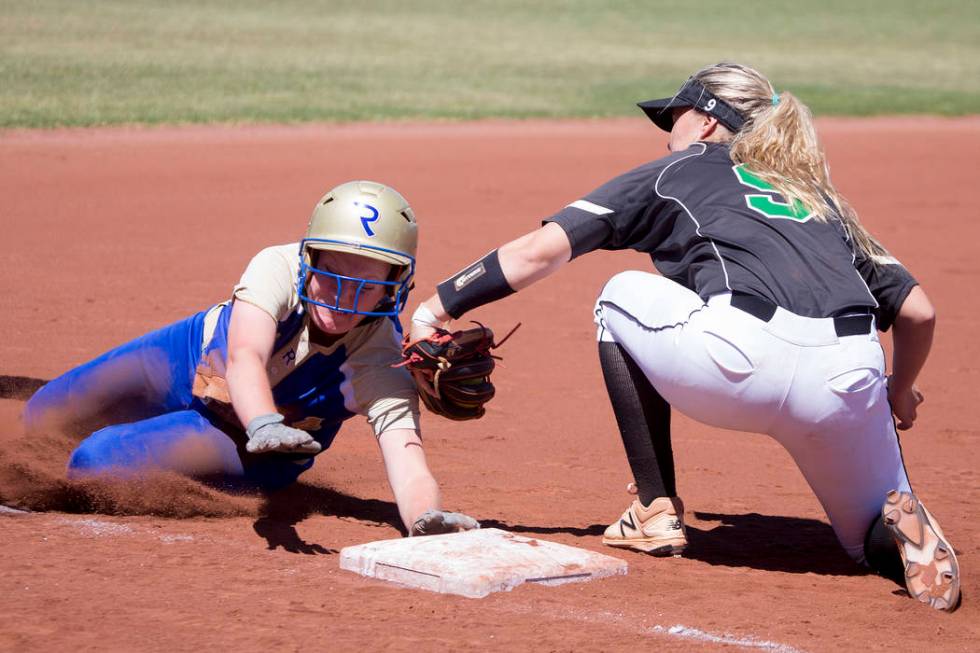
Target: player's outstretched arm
[(251, 335), (912, 339), (512, 267), (415, 490), (411, 481)]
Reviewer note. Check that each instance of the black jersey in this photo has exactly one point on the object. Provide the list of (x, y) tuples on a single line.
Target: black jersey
[(714, 226)]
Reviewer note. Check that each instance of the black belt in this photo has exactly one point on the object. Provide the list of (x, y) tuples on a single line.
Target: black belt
[(844, 325)]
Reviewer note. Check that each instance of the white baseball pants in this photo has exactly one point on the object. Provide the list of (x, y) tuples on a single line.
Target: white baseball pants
[(823, 397)]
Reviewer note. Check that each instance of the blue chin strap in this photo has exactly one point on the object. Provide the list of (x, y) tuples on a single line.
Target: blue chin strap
[(396, 291)]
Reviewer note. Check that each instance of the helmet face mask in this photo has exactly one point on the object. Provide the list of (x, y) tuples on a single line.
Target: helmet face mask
[(396, 286), (366, 219)]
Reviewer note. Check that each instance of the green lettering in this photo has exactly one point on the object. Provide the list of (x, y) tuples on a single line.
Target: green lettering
[(768, 205)]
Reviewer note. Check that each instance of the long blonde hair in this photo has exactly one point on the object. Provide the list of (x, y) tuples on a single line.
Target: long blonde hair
[(779, 144)]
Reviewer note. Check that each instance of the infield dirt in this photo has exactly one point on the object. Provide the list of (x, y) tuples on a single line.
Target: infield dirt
[(109, 233)]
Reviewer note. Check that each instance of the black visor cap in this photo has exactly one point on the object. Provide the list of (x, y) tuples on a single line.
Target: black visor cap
[(692, 94)]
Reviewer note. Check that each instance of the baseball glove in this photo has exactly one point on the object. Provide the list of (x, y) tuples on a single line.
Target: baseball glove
[(452, 370)]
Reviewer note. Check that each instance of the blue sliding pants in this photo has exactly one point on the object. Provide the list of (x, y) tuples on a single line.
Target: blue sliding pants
[(137, 399)]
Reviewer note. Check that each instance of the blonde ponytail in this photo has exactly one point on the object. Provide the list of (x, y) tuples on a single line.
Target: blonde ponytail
[(779, 144)]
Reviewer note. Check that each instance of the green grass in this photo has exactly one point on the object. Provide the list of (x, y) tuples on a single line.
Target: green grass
[(77, 62)]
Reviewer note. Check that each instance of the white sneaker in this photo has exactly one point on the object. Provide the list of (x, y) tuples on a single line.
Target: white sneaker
[(657, 529)]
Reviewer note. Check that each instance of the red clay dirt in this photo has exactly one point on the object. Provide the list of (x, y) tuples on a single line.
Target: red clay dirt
[(109, 233)]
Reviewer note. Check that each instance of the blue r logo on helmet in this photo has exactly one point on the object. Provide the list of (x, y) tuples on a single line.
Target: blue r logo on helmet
[(365, 219)]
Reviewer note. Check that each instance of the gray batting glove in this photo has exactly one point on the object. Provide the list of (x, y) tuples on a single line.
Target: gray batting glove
[(436, 522), (267, 433)]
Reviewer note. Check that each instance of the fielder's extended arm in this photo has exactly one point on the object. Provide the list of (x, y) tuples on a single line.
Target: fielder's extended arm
[(506, 270)]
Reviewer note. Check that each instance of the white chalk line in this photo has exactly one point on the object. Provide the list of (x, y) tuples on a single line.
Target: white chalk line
[(95, 526), (7, 510), (727, 639), (678, 631), (100, 528)]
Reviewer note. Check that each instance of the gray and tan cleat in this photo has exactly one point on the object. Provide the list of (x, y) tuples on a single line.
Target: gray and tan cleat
[(657, 529), (932, 575)]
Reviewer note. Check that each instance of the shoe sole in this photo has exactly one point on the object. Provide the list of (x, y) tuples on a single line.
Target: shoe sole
[(660, 549), (932, 575)]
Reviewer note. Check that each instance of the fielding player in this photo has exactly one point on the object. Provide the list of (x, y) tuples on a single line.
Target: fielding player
[(248, 392), (764, 319)]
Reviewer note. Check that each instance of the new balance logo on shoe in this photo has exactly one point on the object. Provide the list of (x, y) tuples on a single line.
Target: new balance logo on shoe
[(628, 524)]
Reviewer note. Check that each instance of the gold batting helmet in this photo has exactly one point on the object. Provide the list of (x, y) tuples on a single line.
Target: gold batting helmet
[(368, 219)]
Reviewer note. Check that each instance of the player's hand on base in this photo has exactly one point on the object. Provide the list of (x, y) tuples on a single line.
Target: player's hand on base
[(905, 403), (436, 522), (267, 433)]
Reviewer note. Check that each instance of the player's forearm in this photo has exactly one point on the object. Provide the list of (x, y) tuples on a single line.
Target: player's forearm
[(416, 495), (248, 384), (523, 261), (411, 481), (534, 256), (912, 338)]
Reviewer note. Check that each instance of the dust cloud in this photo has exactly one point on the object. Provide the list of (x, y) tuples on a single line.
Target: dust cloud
[(32, 477)]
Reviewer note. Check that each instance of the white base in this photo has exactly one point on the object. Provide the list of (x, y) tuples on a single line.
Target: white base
[(476, 563)]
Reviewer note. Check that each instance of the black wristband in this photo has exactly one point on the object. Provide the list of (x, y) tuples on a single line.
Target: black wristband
[(477, 284)]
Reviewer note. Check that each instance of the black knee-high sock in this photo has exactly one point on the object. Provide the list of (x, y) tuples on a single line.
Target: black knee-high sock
[(644, 423), (881, 552)]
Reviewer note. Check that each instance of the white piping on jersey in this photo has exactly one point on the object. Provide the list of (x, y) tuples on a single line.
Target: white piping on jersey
[(589, 207), (656, 188), (850, 242)]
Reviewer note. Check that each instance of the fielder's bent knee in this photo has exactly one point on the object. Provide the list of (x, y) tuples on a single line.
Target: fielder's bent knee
[(648, 299), (626, 282), (620, 287)]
